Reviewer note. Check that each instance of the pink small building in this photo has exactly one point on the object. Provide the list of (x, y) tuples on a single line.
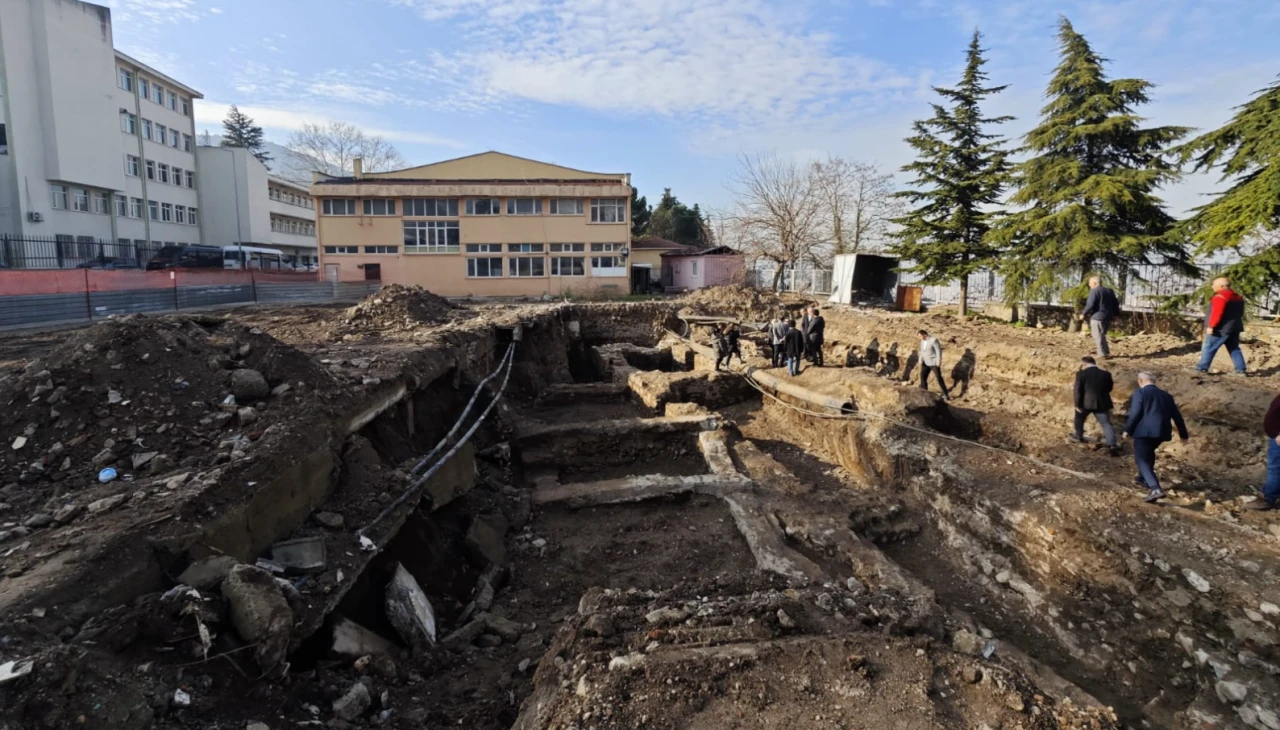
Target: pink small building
[(692, 269)]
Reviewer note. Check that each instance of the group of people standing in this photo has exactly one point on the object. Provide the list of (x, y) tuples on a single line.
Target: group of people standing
[(791, 343)]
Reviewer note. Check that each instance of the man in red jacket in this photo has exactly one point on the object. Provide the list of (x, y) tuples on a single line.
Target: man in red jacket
[(1223, 326), (1271, 490)]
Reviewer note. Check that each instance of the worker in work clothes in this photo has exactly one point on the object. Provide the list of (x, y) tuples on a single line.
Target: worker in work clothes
[(1267, 498), (814, 335), (721, 334), (1223, 326), (793, 346), (777, 332), (1152, 414), (733, 336), (1093, 395), (1100, 308), (931, 362)]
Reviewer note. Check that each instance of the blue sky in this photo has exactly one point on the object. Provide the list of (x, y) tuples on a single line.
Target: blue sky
[(674, 90)]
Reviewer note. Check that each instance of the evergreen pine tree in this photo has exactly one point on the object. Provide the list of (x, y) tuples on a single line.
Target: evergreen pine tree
[(1246, 217), (1088, 193), (240, 131), (639, 215), (961, 170)]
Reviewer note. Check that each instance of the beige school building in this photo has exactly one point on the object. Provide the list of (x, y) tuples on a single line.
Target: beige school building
[(490, 224)]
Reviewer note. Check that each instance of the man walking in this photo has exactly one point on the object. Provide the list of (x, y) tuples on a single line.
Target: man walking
[(793, 346), (931, 361), (1223, 326), (1093, 395), (815, 335), (734, 338), (721, 333), (1267, 499), (1100, 308), (778, 333), (1150, 415)]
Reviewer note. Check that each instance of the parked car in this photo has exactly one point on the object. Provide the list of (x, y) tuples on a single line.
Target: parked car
[(186, 257)]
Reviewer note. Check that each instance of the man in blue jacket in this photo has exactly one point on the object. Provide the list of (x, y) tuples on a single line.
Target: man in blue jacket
[(1152, 415), (1100, 308)]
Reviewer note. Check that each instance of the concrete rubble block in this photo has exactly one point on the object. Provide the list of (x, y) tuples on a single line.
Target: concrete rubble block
[(259, 612), (462, 637), (247, 385), (409, 610), (67, 513), (485, 538), (710, 388), (303, 555), (353, 703), (207, 573), (509, 630), (640, 488), (715, 449), (767, 543), (454, 478), (380, 664), (766, 471), (331, 520), (106, 504), (247, 415), (352, 641)]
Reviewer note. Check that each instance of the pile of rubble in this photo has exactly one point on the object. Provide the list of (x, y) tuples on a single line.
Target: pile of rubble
[(737, 301), (399, 307), (141, 397)]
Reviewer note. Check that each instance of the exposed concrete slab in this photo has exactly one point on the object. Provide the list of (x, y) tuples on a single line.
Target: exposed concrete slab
[(708, 387), (560, 393), (536, 432), (454, 479), (715, 449), (638, 489), (352, 641), (766, 471), (764, 537)]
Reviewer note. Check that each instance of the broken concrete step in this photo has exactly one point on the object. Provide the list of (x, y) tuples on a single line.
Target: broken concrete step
[(533, 433), (639, 488)]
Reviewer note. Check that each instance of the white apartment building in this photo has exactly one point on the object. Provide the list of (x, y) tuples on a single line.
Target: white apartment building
[(94, 145), (244, 204)]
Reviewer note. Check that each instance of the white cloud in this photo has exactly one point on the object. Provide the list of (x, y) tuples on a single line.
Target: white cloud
[(211, 114), (158, 12)]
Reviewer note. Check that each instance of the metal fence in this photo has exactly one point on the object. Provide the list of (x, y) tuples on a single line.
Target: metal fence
[(800, 279), (43, 297), (74, 252)]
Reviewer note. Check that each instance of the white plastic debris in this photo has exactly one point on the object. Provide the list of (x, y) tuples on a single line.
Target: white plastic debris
[(181, 698), (367, 544), (10, 671)]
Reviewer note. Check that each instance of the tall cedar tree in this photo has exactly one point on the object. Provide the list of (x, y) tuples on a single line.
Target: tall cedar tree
[(1088, 193), (640, 213), (240, 131), (1246, 217), (961, 170)]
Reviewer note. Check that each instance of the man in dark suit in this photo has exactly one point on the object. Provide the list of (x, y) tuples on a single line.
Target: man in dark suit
[(814, 335), (1093, 395), (1151, 413)]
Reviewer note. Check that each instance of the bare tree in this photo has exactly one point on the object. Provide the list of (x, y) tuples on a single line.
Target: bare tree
[(333, 146), (858, 200), (777, 210)]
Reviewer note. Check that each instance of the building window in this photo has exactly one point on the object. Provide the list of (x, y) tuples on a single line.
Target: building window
[(186, 143), (597, 247), (487, 268), (180, 214), (380, 206), (524, 206), (153, 210), (568, 247), (381, 249), (58, 197), (608, 210), (135, 207), (151, 169), (131, 165), (177, 176), (128, 123), (175, 138), (566, 206), (122, 206), (431, 207), (126, 79), (606, 262), (144, 88), (431, 237), (146, 129), (157, 94), (4, 140), (191, 217), (191, 179), (173, 101), (342, 249), (186, 107), (693, 270), (101, 204), (340, 206), (166, 212), (164, 173), (524, 247), (483, 206), (567, 266), (484, 248), (524, 266), (161, 133), (80, 199)]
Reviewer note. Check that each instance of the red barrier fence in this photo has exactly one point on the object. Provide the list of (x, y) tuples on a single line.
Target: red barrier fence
[(61, 281)]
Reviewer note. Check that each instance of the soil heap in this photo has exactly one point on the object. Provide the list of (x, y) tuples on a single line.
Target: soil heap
[(738, 301), (400, 307)]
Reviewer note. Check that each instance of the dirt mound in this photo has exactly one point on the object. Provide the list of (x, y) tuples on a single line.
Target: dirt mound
[(400, 307), (739, 301), (142, 395)]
